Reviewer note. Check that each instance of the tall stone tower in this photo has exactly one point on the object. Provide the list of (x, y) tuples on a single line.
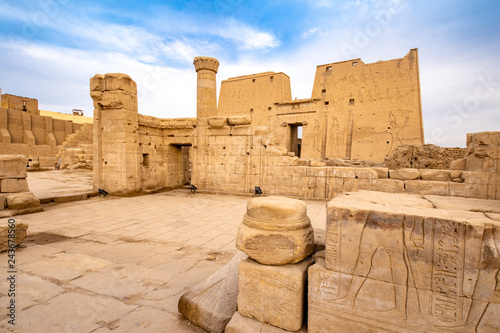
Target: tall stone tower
[(206, 68)]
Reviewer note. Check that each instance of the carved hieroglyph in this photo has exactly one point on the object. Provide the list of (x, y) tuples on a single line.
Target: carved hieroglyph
[(403, 266), (273, 294), (276, 231)]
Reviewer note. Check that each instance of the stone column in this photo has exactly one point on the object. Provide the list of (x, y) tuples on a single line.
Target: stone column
[(206, 68), (116, 137)]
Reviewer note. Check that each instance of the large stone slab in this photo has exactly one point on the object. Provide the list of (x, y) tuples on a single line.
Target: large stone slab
[(276, 231), (404, 174), (211, 303), (405, 267), (14, 185), (273, 294)]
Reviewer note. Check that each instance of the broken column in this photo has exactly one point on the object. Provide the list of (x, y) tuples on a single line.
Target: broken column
[(394, 263), (116, 137), (277, 236)]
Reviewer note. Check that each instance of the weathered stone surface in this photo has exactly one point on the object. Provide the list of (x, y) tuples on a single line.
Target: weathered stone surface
[(405, 267), (423, 157), (217, 122), (382, 172), (273, 294), (22, 200), (239, 120), (13, 185), (211, 303), (426, 187), (404, 174), (340, 172), (241, 324), (435, 175), (18, 232), (13, 166), (276, 231), (458, 164)]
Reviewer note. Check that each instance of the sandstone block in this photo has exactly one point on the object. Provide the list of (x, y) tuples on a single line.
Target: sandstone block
[(344, 172), (217, 122), (239, 120), (317, 163), (276, 151), (273, 294), (240, 324), (476, 177), (435, 175), (387, 185), (404, 266), (424, 187), (276, 231), (404, 174), (3, 202), (458, 164), (13, 166), (382, 172), (13, 185), (366, 173), (211, 303), (241, 130), (479, 191), (19, 234), (22, 200)]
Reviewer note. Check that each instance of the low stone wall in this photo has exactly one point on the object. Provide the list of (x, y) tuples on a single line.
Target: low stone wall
[(15, 197), (423, 157)]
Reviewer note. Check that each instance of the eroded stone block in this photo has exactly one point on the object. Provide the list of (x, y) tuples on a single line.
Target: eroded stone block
[(276, 231), (241, 324), (273, 294), (435, 175), (211, 303), (13, 166), (19, 232), (22, 200), (404, 174)]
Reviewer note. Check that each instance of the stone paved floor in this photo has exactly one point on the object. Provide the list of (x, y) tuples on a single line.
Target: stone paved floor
[(121, 264)]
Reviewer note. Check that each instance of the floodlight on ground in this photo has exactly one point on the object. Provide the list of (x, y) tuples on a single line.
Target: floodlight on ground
[(258, 191)]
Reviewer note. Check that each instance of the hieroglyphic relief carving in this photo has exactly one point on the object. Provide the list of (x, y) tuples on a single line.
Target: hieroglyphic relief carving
[(405, 271)]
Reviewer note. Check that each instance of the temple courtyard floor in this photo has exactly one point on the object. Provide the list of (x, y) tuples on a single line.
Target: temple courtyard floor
[(118, 264)]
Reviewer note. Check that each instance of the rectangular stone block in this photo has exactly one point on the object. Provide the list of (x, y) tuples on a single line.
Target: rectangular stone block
[(273, 294), (13, 166), (479, 191), (240, 324), (366, 173), (424, 187), (22, 200), (11, 185), (387, 185), (393, 263)]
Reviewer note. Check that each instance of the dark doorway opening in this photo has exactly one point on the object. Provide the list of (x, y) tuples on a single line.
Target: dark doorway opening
[(295, 139)]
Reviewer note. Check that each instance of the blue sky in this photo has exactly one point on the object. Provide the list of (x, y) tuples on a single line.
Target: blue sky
[(49, 49)]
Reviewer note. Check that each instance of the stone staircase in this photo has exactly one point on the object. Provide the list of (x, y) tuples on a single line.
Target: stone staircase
[(77, 151)]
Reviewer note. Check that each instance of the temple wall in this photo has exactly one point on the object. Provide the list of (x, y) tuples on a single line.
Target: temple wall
[(28, 133)]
